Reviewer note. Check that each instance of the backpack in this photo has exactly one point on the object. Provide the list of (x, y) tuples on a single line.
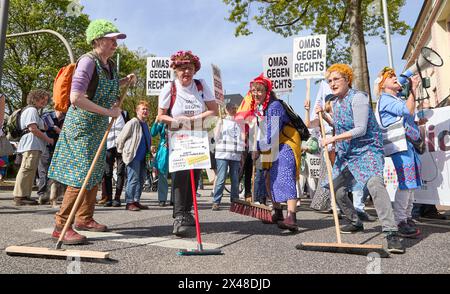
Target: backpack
[(173, 93), (12, 126), (63, 83), (296, 120)]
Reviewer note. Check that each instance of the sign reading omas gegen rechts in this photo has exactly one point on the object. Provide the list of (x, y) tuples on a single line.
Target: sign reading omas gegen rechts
[(159, 73), (309, 57), (277, 67), (218, 86)]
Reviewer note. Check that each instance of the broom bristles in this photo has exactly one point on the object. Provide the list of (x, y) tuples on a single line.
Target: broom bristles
[(258, 211)]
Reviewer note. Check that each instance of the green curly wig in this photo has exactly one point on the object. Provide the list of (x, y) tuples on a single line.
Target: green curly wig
[(99, 28)]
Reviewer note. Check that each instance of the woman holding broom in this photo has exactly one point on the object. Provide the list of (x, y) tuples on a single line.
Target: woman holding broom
[(94, 94), (185, 103), (359, 154), (276, 134)]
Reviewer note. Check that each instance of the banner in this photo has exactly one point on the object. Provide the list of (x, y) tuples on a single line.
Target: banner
[(435, 170), (188, 150), (159, 73), (218, 88), (309, 57), (277, 68)]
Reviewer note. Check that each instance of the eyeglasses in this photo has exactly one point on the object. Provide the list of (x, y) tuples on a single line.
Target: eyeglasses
[(258, 92), (330, 81), (186, 68)]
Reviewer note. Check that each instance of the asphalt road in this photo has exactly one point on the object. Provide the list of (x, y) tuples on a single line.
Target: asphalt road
[(141, 242)]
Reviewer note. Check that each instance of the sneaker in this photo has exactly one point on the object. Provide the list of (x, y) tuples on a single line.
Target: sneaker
[(215, 207), (188, 220), (365, 217), (394, 245), (19, 201), (70, 238), (178, 228), (91, 226), (43, 199), (116, 203), (411, 223), (108, 203), (132, 207), (406, 231), (435, 215), (351, 228), (162, 203)]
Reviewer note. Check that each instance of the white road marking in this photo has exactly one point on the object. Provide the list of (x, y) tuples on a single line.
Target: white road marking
[(151, 241)]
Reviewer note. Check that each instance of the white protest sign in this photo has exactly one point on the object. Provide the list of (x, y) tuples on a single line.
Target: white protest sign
[(309, 57), (277, 68), (159, 73), (313, 163), (435, 171), (218, 87), (188, 150)]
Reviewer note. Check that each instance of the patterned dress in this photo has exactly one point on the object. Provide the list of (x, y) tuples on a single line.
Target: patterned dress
[(285, 166), (81, 136), (363, 156), (407, 163)]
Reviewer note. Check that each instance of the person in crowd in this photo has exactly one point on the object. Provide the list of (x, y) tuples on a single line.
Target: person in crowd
[(161, 160), (280, 145), (359, 154), (321, 197), (31, 145), (84, 127), (3, 167), (229, 138), (391, 109), (193, 102), (134, 143), (3, 159), (112, 156), (54, 121)]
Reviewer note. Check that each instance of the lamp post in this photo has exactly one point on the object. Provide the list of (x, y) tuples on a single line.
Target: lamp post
[(4, 6), (388, 33)]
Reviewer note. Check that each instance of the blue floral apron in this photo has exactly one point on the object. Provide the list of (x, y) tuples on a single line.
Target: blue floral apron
[(363, 156), (81, 136)]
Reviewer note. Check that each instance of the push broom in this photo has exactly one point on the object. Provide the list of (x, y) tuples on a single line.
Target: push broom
[(200, 250), (58, 252), (248, 207), (339, 247)]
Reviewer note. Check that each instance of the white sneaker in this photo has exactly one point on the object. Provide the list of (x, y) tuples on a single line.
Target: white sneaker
[(257, 202)]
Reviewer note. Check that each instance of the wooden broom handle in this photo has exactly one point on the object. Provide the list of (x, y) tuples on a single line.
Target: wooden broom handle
[(330, 180), (80, 196)]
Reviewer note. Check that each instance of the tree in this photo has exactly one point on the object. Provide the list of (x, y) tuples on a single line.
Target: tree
[(33, 61), (346, 23)]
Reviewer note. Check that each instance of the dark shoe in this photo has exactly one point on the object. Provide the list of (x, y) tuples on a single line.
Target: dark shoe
[(21, 201), (91, 226), (43, 199), (406, 231), (116, 203), (178, 228), (411, 223), (70, 238), (351, 228), (365, 217), (162, 203), (435, 215), (143, 207), (215, 207), (276, 216), (132, 207), (108, 203), (188, 219), (394, 245), (289, 223)]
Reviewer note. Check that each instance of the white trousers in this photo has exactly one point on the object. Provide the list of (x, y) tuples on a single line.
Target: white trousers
[(403, 204)]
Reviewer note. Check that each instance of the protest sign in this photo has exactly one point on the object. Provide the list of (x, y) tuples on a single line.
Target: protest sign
[(218, 87), (159, 73), (309, 57), (188, 150), (277, 68)]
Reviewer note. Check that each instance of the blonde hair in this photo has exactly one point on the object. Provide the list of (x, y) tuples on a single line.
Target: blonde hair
[(344, 69), (142, 103)]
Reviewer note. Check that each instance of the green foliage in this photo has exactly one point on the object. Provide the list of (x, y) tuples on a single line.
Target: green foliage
[(291, 17), (33, 61)]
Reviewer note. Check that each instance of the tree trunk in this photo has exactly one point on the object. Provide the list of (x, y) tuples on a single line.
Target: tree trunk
[(358, 48)]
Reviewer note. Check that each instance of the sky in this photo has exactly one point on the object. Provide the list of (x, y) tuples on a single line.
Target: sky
[(162, 27)]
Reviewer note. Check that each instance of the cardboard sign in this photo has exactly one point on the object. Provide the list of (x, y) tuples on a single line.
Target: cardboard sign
[(159, 73), (435, 161), (188, 150), (313, 164), (309, 57), (277, 68), (218, 87)]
